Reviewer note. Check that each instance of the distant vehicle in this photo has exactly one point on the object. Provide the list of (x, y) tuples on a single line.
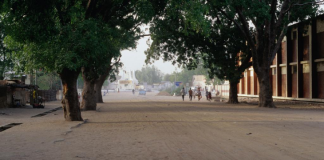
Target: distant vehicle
[(142, 92)]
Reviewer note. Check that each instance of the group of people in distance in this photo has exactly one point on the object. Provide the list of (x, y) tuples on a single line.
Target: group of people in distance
[(198, 94)]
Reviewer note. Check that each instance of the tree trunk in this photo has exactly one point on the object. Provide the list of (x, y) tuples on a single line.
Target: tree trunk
[(99, 82), (1, 73), (233, 93), (70, 102), (98, 86), (261, 63), (265, 94), (89, 101)]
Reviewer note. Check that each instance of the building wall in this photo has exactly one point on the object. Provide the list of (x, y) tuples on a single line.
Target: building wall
[(251, 84), (283, 69), (222, 89), (274, 81), (294, 85), (306, 91), (319, 59), (243, 85), (283, 85), (320, 79), (297, 71)]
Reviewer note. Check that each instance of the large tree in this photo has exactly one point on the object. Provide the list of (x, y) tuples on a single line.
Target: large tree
[(269, 20), (56, 36), (226, 54), (127, 16), (67, 36), (109, 73), (218, 44)]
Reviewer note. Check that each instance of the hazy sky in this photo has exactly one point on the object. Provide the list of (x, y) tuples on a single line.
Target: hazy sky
[(135, 59)]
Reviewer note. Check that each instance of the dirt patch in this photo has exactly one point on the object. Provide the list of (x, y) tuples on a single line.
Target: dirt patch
[(163, 93), (136, 127)]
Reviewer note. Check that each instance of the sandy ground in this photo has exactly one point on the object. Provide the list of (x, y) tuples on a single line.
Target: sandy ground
[(130, 127)]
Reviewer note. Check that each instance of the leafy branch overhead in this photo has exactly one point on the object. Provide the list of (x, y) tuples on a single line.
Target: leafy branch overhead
[(75, 34)]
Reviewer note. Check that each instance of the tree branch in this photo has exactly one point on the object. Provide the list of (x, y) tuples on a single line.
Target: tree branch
[(318, 2), (143, 35), (278, 44), (273, 11), (246, 30), (90, 7), (136, 26)]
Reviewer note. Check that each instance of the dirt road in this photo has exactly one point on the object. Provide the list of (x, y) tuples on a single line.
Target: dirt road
[(130, 127)]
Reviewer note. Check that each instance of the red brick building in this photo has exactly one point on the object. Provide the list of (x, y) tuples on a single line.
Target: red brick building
[(298, 69)]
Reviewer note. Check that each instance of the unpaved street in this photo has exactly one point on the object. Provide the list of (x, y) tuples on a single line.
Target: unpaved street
[(130, 127)]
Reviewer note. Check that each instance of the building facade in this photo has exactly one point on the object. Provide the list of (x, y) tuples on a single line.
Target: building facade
[(297, 71)]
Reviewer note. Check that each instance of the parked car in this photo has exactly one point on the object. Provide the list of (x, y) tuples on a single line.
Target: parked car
[(142, 92)]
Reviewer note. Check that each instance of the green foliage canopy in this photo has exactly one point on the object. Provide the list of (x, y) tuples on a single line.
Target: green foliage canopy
[(217, 45), (149, 74), (73, 34), (6, 59), (268, 20)]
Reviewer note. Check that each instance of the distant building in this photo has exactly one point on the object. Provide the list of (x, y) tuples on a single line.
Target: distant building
[(113, 85), (127, 81), (198, 81), (147, 86), (166, 84), (157, 86)]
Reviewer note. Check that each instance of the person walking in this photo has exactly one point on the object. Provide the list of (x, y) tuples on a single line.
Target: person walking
[(199, 94), (206, 92), (209, 96), (133, 91), (190, 94), (182, 93)]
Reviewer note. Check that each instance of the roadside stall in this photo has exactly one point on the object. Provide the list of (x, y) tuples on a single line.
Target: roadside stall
[(17, 94)]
